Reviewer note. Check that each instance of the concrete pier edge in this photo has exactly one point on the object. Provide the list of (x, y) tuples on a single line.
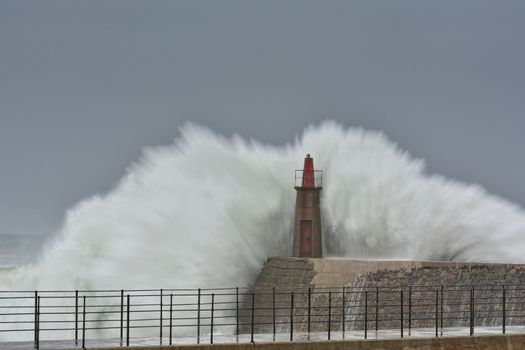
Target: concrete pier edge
[(482, 342)]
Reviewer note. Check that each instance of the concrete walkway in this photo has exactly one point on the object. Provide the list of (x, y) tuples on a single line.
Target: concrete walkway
[(259, 338)]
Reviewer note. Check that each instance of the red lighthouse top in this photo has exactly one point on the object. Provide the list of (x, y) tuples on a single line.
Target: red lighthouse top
[(308, 172)]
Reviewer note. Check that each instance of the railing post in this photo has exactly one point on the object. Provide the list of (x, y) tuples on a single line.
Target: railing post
[(401, 314), (171, 318), (472, 311), (309, 310), (377, 309), (273, 312), (366, 314), (83, 322), (253, 317), (344, 312), (76, 317), (38, 323), (211, 316), (291, 315), (237, 313), (128, 306), (442, 302), (409, 310), (437, 304), (121, 316), (329, 314), (504, 308), (161, 323), (35, 324), (198, 316)]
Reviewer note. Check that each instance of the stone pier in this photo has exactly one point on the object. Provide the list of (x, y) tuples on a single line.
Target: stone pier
[(419, 286)]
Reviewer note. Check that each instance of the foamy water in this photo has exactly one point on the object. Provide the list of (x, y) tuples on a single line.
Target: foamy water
[(208, 210)]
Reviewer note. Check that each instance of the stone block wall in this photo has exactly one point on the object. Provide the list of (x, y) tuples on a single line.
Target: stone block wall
[(343, 293)]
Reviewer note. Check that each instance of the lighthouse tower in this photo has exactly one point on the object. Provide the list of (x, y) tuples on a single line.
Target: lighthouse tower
[(307, 239)]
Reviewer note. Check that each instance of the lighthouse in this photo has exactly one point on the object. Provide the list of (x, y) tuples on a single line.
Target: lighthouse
[(307, 238)]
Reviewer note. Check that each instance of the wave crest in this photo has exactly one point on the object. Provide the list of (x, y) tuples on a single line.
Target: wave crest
[(208, 210)]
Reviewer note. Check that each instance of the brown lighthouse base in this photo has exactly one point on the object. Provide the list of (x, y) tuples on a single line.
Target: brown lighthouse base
[(307, 238)]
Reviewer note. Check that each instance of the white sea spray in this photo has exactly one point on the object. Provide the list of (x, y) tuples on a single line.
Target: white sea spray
[(206, 211)]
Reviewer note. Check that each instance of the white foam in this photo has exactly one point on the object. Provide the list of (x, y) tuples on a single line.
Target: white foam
[(206, 211)]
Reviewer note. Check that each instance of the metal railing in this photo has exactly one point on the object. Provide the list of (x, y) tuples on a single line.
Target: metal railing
[(317, 178), (244, 314)]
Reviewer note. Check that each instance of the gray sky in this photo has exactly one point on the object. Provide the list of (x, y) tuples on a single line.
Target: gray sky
[(84, 85)]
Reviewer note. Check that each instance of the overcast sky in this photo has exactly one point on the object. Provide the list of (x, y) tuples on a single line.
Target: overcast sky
[(85, 85)]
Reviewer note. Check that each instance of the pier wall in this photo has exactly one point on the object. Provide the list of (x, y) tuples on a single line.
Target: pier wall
[(495, 342), (322, 273), (451, 287)]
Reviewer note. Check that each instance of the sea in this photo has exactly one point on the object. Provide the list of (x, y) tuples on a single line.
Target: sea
[(20, 249)]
